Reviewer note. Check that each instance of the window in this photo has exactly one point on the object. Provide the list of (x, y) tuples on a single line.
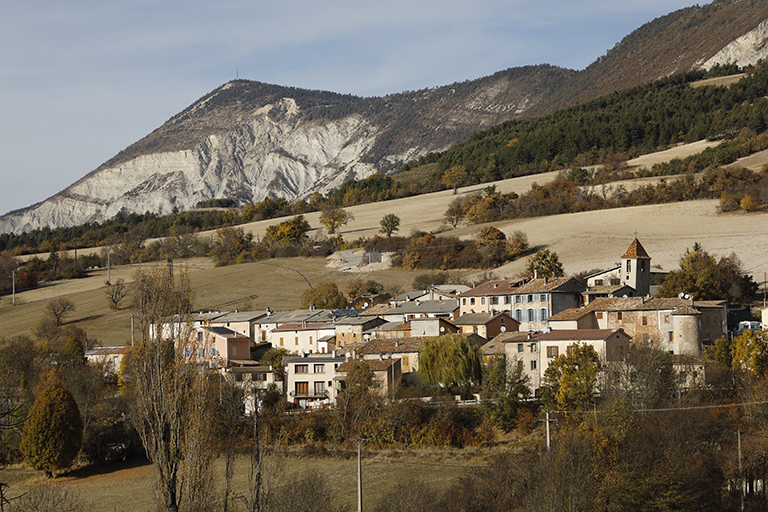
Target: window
[(543, 314), (543, 297), (529, 298), (302, 388), (200, 352), (533, 365), (531, 315), (507, 299), (641, 265), (281, 341), (494, 300), (533, 348), (310, 339), (619, 315), (199, 336), (629, 266), (463, 302), (302, 368), (519, 348), (645, 320), (297, 340), (319, 368), (187, 352), (552, 351), (598, 282), (319, 388), (518, 299), (519, 315), (599, 315), (214, 352), (482, 300), (234, 351), (472, 301)]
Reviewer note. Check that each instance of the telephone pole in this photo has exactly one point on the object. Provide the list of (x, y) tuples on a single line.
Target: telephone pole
[(359, 442), (13, 279)]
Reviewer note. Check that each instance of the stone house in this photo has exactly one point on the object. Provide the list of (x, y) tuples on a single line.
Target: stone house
[(538, 350), (678, 326), (350, 330)]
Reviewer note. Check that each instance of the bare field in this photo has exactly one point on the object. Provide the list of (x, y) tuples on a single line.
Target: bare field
[(120, 484), (583, 241)]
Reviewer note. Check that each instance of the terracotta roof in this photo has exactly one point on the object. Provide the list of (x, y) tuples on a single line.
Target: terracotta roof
[(375, 364), (497, 287), (391, 345), (577, 334), (571, 314), (595, 290), (556, 335), (479, 318), (686, 310), (635, 250), (493, 347), (543, 285)]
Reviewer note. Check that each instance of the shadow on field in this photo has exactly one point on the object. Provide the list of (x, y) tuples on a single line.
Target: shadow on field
[(106, 469)]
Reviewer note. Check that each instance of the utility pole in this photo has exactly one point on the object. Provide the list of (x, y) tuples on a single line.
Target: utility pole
[(131, 329), (13, 279), (547, 420), (359, 442), (741, 478), (109, 278)]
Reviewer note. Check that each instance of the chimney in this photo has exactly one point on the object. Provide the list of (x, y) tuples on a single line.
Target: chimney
[(535, 274), (545, 280)]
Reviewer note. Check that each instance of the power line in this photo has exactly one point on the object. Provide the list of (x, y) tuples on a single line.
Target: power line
[(671, 409)]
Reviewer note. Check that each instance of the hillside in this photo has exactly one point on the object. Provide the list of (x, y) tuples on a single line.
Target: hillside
[(250, 140), (583, 241)]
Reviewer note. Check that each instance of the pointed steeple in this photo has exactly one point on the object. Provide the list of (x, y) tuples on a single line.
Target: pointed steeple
[(636, 250)]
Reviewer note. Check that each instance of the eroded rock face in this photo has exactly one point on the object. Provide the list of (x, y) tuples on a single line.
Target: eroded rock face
[(744, 51), (262, 157)]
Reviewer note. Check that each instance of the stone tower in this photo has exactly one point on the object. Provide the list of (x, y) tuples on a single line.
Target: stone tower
[(636, 269)]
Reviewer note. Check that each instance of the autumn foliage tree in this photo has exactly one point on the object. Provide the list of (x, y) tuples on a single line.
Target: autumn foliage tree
[(323, 296), (450, 360), (334, 217), (53, 431), (569, 381)]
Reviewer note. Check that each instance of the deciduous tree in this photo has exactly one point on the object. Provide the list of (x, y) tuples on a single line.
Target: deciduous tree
[(455, 177), (59, 308), (389, 224), (334, 217), (116, 293), (323, 296), (569, 381)]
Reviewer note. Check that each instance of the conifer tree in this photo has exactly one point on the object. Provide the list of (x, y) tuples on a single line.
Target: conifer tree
[(53, 431)]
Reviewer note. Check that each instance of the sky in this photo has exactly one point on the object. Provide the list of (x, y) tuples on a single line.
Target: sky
[(81, 80)]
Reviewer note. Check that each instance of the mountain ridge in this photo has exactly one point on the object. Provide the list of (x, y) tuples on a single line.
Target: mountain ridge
[(250, 140)]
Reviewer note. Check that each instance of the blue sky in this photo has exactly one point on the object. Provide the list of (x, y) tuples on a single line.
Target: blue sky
[(81, 80)]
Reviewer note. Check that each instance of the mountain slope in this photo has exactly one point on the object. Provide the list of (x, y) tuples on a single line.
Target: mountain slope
[(249, 140)]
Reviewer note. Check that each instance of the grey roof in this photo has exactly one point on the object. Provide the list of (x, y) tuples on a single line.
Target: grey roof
[(478, 318), (426, 307), (241, 316)]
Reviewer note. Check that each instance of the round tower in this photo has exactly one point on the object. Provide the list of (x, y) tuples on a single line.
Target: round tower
[(687, 331)]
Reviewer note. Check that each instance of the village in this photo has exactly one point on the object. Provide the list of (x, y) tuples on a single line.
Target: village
[(531, 321)]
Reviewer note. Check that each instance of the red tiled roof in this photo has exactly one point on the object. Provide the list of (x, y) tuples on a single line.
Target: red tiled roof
[(635, 250), (497, 287), (391, 345), (543, 285)]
